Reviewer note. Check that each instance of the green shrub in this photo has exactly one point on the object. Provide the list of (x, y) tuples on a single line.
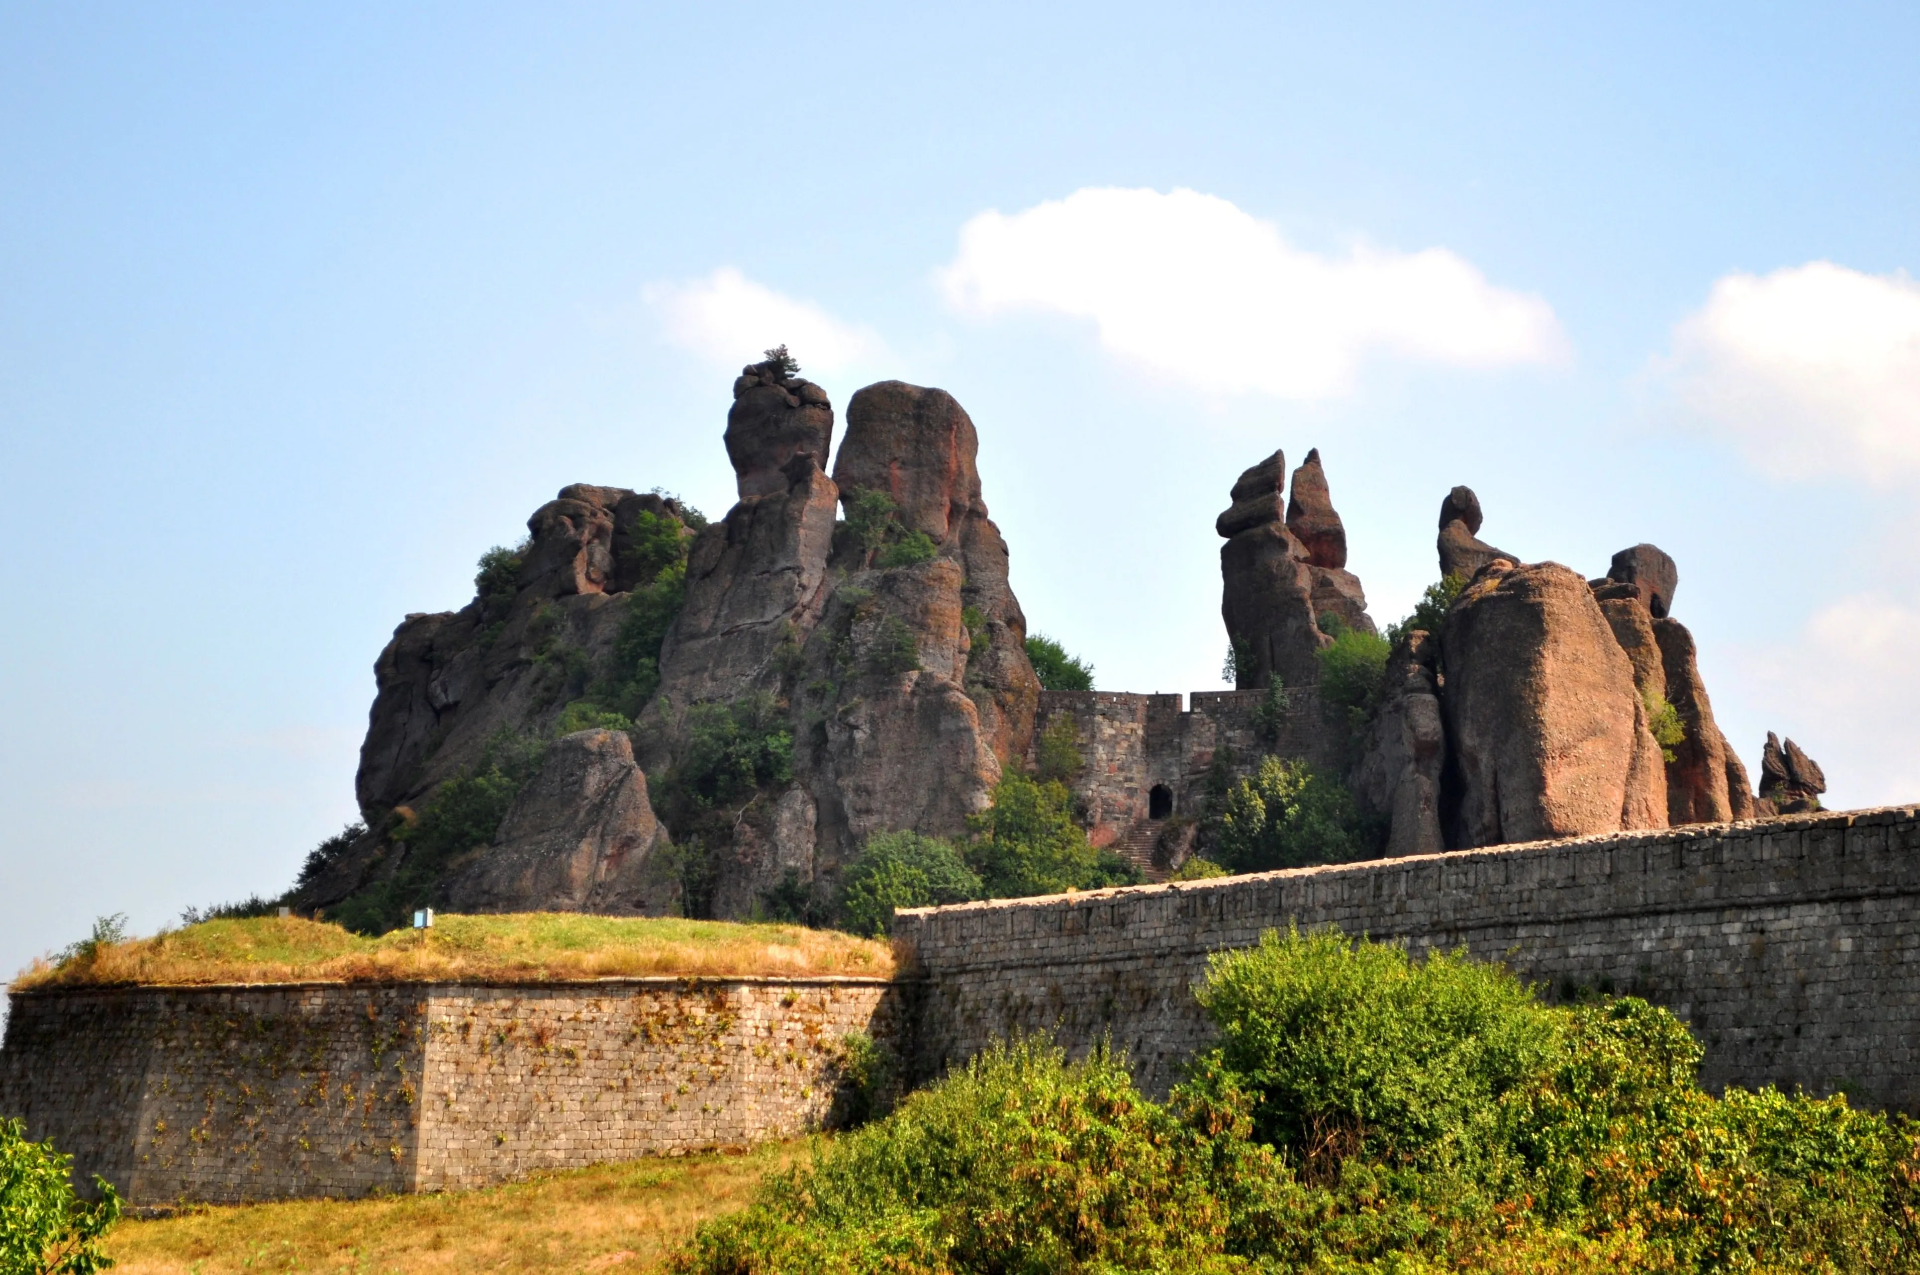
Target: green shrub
[(1286, 815), (1198, 869), (1028, 843), (1353, 673), (45, 1229), (463, 814), (1056, 753), (1057, 670), (328, 853), (901, 870), (1020, 1163), (495, 585), (975, 621), (895, 648), (654, 544), (1430, 612), (584, 714), (650, 611), (1663, 719), (251, 906), (107, 930), (731, 751), (783, 363), (1270, 714), (911, 549)]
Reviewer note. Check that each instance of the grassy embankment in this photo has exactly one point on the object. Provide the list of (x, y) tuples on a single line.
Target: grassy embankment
[(526, 947), (617, 1217)]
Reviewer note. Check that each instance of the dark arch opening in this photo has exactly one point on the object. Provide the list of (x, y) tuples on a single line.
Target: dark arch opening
[(1159, 802)]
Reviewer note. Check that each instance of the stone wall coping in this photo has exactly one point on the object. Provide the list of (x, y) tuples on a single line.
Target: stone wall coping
[(609, 981), (1867, 817)]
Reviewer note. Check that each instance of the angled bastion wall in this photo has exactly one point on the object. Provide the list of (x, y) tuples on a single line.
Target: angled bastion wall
[(1791, 945), (228, 1094)]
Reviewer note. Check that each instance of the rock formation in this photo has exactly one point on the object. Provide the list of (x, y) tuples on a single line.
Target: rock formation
[(1790, 781), (1546, 730), (1651, 574), (1277, 587), (891, 655), (1462, 554), (1404, 756), (580, 837)]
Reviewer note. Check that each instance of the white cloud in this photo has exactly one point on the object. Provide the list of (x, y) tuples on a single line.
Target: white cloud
[(1844, 688), (1814, 368), (729, 319), (1189, 286)]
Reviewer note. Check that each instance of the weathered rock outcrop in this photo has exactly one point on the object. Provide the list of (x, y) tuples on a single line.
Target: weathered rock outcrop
[(1462, 553), (1651, 574), (580, 837), (1277, 588), (1699, 785), (1790, 781), (1403, 758), (1547, 733)]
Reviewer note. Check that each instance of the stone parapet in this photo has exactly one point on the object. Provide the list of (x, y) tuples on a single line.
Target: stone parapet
[(1789, 944)]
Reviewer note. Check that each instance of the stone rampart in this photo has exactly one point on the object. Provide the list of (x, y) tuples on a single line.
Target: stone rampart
[(247, 1093), (1792, 945)]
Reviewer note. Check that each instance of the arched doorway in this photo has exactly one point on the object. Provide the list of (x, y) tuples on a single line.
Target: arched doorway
[(1159, 802)]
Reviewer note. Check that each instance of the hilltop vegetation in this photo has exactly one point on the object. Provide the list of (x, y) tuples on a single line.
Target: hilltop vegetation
[(1363, 1112), (522, 947)]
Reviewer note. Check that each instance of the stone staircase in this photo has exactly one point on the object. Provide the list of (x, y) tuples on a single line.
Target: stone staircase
[(1137, 847)]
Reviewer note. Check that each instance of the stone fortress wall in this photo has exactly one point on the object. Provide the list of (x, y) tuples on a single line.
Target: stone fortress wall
[(1788, 944), (228, 1094), (1148, 761)]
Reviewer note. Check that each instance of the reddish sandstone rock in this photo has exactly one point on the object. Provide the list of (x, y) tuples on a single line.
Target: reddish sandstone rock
[(1698, 788), (1311, 517), (1650, 573), (774, 419), (1546, 727), (1397, 778), (580, 837), (1462, 553)]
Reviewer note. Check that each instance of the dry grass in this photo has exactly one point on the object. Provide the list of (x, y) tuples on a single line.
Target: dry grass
[(521, 947), (616, 1217)]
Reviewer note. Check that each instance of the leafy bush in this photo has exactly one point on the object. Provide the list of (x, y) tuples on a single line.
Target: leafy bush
[(1270, 714), (783, 363), (1028, 843), (911, 549), (901, 870), (1057, 670), (1198, 869), (1056, 754), (895, 648), (650, 611), (463, 814), (247, 908), (1022, 1162), (1353, 673), (1663, 719), (731, 751), (1285, 815), (328, 853), (107, 930), (45, 1229), (495, 585), (975, 621), (584, 714), (654, 544), (1431, 610), (1363, 1114)]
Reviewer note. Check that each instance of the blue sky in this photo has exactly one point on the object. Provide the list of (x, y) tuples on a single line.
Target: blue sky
[(303, 307)]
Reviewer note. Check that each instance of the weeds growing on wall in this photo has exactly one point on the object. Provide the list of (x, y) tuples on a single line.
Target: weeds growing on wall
[(1027, 843), (1364, 1114), (1285, 815), (45, 1229), (1057, 670), (1056, 753), (901, 870)]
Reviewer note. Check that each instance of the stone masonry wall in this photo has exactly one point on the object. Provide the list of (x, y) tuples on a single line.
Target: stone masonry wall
[(250, 1093), (1790, 945), (1133, 742)]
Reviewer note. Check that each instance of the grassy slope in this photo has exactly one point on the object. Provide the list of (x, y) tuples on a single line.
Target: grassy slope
[(619, 1217), (522, 947)]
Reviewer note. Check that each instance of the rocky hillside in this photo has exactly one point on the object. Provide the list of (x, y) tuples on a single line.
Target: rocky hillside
[(641, 712)]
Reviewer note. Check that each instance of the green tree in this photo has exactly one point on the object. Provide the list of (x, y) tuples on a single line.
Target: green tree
[(1430, 612), (901, 870), (1028, 843), (1057, 670), (1285, 815), (45, 1229), (783, 362)]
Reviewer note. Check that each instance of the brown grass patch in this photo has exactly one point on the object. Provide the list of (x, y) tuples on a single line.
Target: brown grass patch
[(613, 1217), (520, 947)]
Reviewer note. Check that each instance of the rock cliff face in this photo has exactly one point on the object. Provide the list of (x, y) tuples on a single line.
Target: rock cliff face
[(880, 661), (1283, 570)]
